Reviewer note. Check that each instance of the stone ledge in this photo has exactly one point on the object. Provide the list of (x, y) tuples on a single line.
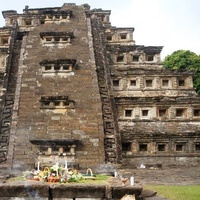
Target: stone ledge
[(78, 191), (119, 192), (58, 191), (23, 190)]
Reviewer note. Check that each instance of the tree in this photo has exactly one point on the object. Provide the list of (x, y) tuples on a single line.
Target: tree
[(187, 60)]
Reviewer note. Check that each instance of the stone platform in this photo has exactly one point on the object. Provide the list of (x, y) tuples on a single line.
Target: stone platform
[(29, 190), (176, 175), (36, 190)]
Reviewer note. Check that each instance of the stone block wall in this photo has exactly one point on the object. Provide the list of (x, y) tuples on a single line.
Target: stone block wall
[(82, 122), (74, 88), (70, 192)]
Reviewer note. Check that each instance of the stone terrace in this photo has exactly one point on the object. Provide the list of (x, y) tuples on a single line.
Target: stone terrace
[(166, 176)]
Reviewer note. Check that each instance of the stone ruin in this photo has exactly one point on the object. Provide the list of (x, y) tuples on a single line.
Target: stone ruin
[(74, 87)]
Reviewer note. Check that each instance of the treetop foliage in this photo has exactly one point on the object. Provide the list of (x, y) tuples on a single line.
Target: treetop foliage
[(185, 60), (182, 59)]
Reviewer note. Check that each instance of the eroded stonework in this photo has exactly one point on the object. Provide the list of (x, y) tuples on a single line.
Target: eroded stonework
[(74, 88)]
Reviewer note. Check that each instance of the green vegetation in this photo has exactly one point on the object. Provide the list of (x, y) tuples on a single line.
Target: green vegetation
[(185, 60), (172, 192), (17, 178), (100, 179)]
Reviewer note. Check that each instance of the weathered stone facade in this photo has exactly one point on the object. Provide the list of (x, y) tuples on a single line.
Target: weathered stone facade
[(74, 88)]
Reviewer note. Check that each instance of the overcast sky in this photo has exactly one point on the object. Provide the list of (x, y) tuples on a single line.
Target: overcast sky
[(174, 24)]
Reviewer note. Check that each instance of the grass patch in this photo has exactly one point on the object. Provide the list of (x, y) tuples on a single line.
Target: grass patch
[(99, 179), (17, 178), (102, 177), (174, 192)]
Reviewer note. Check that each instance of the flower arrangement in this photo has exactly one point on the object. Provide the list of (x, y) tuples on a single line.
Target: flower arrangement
[(54, 174)]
